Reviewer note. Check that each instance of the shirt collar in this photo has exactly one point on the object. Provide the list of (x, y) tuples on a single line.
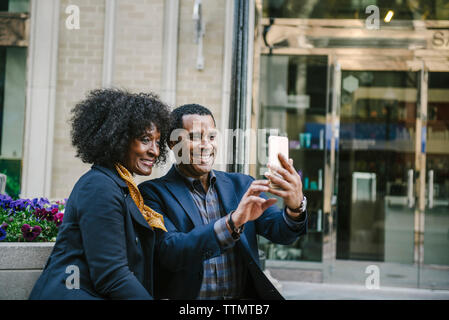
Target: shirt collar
[(191, 181)]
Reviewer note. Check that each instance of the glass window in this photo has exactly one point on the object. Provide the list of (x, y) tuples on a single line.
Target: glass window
[(436, 233), (293, 103), (355, 9), (376, 162), (12, 106), (4, 6)]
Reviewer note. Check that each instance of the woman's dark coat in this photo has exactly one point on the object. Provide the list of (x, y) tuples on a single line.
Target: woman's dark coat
[(106, 238)]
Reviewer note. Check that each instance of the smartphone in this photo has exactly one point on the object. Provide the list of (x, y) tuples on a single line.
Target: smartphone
[(276, 145)]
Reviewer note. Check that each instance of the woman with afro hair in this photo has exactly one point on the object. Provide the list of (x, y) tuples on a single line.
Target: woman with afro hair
[(105, 244)]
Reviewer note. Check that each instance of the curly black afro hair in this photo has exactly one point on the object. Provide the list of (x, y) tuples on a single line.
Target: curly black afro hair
[(105, 123)]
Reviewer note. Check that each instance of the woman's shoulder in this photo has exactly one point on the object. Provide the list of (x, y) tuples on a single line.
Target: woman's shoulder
[(99, 188), (98, 179)]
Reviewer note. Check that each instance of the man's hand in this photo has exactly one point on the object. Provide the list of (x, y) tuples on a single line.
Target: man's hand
[(252, 206), (290, 184)]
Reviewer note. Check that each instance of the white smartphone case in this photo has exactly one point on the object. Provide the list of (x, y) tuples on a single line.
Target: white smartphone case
[(276, 145)]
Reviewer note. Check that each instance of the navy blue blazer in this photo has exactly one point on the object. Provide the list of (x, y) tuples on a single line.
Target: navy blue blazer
[(180, 253), (103, 234)]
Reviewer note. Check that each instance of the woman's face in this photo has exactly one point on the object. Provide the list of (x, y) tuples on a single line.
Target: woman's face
[(143, 152)]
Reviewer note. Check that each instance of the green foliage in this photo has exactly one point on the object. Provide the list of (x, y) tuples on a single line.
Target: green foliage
[(12, 185)]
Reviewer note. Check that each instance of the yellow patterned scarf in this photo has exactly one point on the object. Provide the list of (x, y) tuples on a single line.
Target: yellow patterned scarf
[(154, 219)]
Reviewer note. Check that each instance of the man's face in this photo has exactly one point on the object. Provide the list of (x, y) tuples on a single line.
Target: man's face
[(199, 140)]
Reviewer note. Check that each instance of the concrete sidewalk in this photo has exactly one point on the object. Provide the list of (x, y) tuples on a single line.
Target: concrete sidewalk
[(295, 290)]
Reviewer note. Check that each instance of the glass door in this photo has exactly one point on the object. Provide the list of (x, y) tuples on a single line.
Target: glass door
[(293, 102), (373, 147), (385, 197), (435, 261), (378, 174)]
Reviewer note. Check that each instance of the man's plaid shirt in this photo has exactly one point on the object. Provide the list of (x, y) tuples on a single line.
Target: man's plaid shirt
[(223, 275)]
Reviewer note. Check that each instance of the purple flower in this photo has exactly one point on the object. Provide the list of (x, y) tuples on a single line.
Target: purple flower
[(4, 226), (45, 213), (39, 203), (5, 201), (58, 218), (25, 228), (19, 205), (39, 213), (37, 229), (2, 234), (50, 214), (5, 197), (30, 233)]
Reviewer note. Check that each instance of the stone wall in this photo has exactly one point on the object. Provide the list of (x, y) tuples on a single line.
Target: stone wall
[(20, 267), (80, 62), (138, 65)]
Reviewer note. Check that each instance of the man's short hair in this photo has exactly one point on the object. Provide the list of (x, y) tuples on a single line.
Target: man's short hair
[(186, 109)]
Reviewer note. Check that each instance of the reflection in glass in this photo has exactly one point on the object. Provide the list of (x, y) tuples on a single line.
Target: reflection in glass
[(293, 93), (12, 105), (12, 115), (376, 162), (354, 9), (436, 227)]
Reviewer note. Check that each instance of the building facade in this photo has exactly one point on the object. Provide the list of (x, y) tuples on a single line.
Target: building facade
[(360, 88)]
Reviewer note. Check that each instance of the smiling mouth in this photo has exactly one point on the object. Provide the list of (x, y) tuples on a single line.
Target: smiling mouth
[(147, 162), (203, 158)]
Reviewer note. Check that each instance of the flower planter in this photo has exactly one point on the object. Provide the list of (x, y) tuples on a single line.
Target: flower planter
[(34, 224), (21, 263)]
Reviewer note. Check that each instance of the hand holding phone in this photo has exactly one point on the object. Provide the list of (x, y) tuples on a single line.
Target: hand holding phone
[(285, 181), (276, 145)]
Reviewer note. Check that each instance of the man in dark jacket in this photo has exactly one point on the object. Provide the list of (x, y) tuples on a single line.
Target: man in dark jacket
[(210, 250)]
